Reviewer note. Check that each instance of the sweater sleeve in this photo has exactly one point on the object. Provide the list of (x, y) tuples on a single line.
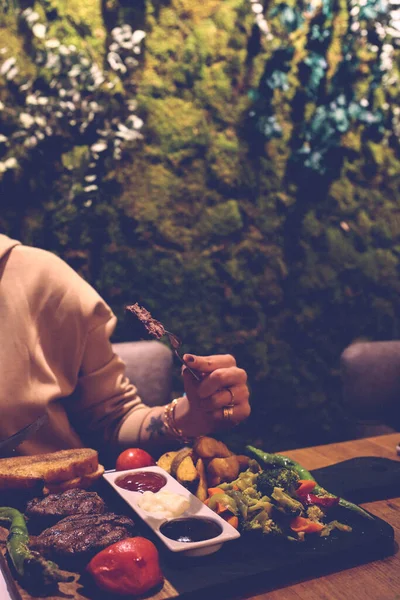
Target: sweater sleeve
[(74, 327), (105, 395), (65, 329)]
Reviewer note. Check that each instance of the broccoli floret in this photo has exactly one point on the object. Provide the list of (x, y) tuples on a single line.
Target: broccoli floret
[(246, 480), (314, 513), (335, 525), (286, 503), (264, 523), (283, 478), (261, 504)]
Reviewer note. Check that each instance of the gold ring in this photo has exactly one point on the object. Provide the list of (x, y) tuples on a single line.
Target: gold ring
[(227, 412)]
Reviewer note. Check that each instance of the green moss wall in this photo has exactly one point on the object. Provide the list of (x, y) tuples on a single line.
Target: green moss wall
[(246, 204)]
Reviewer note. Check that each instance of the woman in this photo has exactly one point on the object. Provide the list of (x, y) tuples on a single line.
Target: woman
[(56, 358)]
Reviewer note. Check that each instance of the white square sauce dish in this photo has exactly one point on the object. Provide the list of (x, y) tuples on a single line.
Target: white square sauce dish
[(177, 517)]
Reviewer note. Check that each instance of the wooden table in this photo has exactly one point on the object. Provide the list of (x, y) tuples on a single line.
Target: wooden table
[(379, 580)]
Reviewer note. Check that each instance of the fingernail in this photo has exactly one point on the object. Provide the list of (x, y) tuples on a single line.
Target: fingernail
[(188, 358)]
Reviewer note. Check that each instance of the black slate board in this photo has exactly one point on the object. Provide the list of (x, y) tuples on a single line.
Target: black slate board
[(363, 479), (255, 562)]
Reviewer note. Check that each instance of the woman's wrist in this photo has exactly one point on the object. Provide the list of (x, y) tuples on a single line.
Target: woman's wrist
[(174, 419), (152, 429)]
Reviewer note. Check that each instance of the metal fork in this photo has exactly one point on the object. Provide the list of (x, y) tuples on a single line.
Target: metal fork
[(176, 344)]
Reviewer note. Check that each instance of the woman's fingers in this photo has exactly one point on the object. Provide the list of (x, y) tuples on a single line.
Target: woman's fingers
[(207, 364), (221, 398), (219, 379), (229, 417), (236, 394)]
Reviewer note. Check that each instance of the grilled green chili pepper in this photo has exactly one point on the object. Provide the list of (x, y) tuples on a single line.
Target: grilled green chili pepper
[(29, 565), (278, 460)]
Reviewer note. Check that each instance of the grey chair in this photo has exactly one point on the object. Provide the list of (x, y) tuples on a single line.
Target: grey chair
[(371, 385), (149, 367)]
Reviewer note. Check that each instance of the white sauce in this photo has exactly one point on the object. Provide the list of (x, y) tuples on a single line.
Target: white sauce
[(163, 504)]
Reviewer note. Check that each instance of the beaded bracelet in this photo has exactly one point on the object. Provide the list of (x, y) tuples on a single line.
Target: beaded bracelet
[(169, 422)]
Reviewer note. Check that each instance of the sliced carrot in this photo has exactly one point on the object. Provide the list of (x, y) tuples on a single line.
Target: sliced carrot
[(314, 527), (220, 508), (302, 524), (231, 519), (306, 486), (214, 490)]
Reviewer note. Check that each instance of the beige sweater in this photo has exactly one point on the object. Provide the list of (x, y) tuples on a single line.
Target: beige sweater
[(56, 356)]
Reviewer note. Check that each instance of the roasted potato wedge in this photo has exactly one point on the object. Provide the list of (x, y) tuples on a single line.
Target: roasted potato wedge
[(208, 447), (221, 470), (244, 462), (178, 458), (202, 487), (165, 461), (187, 473)]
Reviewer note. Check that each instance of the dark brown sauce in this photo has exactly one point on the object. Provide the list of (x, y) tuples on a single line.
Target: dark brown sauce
[(191, 530), (142, 481)]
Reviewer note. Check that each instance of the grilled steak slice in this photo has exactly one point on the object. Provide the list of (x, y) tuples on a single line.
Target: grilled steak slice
[(50, 509), (80, 537)]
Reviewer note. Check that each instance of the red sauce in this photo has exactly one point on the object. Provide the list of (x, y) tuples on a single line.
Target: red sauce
[(142, 481)]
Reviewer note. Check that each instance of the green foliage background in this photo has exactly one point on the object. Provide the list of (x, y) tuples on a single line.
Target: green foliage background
[(208, 220)]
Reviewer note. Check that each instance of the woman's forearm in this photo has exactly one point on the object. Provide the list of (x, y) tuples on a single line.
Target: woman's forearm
[(147, 428)]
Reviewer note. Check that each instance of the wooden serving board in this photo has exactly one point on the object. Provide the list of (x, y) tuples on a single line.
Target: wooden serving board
[(242, 565)]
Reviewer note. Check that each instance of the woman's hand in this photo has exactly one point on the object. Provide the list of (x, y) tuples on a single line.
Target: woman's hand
[(218, 401)]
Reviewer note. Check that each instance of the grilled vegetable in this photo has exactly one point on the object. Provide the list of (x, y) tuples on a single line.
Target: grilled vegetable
[(201, 491), (178, 458), (221, 470), (31, 568), (334, 525), (165, 461), (244, 462), (268, 460), (323, 501), (287, 479), (186, 473), (134, 458), (300, 524), (128, 567), (305, 487), (286, 503), (221, 502), (208, 447)]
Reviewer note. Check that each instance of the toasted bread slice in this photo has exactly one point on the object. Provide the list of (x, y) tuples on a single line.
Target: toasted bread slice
[(82, 482), (21, 472)]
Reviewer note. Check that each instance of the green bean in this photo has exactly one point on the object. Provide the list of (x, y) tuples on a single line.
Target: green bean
[(270, 460), (30, 566)]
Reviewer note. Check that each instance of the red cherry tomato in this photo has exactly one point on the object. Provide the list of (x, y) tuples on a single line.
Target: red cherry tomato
[(130, 566), (134, 458)]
